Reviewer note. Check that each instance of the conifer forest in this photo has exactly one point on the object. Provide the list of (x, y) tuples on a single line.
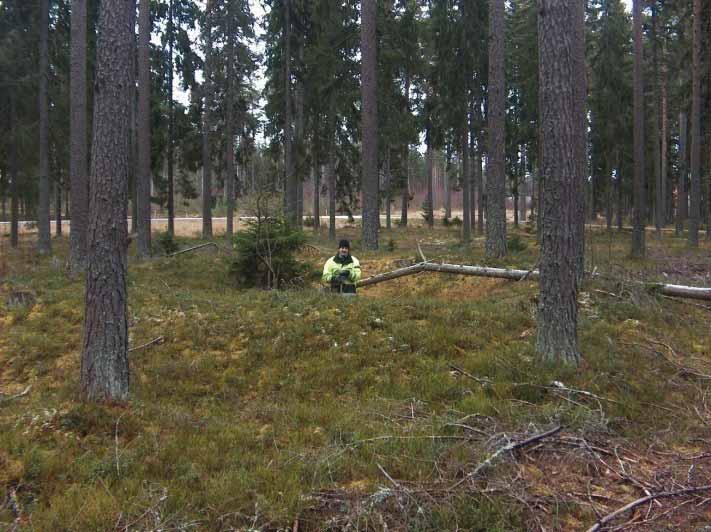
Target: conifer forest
[(355, 265)]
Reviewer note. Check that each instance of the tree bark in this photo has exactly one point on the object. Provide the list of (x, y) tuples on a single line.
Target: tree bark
[(370, 181), (682, 207), (14, 174), (171, 121), (405, 201), (429, 168), (638, 214), (331, 178), (656, 123), (479, 184), (291, 188), (495, 171), (104, 361), (206, 125), (664, 143), (561, 125), (44, 242), (695, 192), (78, 162), (580, 130), (317, 197), (388, 184), (58, 207), (230, 127), (466, 186), (143, 181)]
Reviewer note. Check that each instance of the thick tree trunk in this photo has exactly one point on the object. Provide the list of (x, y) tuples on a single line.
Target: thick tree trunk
[(561, 125), (44, 242), (495, 170), (143, 181), (370, 181), (695, 192), (206, 125), (133, 126), (171, 121), (78, 162), (104, 361), (580, 130), (638, 214)]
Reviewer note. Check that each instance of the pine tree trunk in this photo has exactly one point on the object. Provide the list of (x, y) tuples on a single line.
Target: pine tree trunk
[(291, 188), (580, 130), (78, 162), (300, 143), (14, 174), (133, 126), (104, 360), (206, 126), (405, 201), (695, 192), (143, 177), (523, 187), (495, 171), (479, 183), (388, 183), (447, 193), (230, 128), (429, 168), (664, 143), (561, 125), (58, 207), (331, 178), (466, 186), (370, 181), (171, 121), (44, 242), (656, 123), (682, 207), (317, 197), (638, 214)]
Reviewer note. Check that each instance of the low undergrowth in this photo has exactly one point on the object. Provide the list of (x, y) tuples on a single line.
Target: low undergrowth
[(299, 410)]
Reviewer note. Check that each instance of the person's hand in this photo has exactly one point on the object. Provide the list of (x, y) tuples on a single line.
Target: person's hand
[(344, 275)]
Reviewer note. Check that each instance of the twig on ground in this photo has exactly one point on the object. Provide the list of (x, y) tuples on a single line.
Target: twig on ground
[(483, 381), (16, 396), (194, 248), (155, 341), (512, 446), (610, 517), (422, 255)]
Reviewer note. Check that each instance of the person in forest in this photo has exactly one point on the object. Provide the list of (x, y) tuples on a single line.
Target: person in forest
[(342, 270)]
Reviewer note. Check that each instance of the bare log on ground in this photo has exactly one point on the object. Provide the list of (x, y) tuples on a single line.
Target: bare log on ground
[(688, 292), (610, 517)]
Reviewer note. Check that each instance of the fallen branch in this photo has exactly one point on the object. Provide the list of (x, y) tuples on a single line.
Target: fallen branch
[(482, 381), (673, 290), (16, 396), (512, 446), (610, 517), (188, 250), (155, 341)]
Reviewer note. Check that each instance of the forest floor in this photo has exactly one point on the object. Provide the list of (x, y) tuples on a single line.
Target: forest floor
[(298, 410)]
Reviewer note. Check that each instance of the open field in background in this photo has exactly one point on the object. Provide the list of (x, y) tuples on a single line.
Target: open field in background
[(297, 410)]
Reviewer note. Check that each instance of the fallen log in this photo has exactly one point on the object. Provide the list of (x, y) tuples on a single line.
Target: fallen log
[(673, 290)]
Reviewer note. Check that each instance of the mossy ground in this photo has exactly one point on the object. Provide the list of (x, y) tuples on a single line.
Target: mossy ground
[(285, 410)]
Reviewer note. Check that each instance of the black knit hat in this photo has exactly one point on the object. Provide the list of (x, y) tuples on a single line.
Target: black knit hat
[(344, 244)]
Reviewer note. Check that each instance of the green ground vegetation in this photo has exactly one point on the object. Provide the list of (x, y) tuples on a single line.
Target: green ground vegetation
[(296, 409)]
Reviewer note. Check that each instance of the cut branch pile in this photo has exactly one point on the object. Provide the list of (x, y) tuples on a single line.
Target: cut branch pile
[(689, 292)]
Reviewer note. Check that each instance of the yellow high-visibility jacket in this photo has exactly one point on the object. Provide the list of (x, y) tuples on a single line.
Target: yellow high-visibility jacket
[(335, 265)]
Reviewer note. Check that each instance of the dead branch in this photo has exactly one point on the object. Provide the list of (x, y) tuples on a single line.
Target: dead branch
[(16, 396), (155, 341), (610, 517), (482, 381), (512, 446), (188, 250), (689, 292)]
